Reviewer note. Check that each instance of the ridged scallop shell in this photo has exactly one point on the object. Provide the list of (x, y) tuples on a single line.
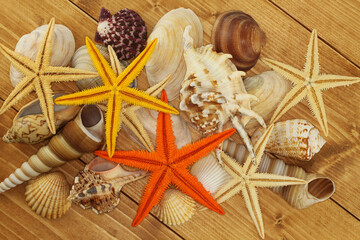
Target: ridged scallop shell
[(270, 88), (63, 47), (238, 34), (30, 126), (125, 31), (175, 207), (169, 48), (297, 139), (48, 194)]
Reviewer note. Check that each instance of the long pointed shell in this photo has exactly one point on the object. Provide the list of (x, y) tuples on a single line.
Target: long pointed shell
[(84, 134), (63, 47), (175, 207), (48, 194), (317, 189), (169, 49), (297, 139)]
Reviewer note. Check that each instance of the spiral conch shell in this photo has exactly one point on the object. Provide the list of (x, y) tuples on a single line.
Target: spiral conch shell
[(169, 49), (213, 91), (84, 134), (47, 195), (29, 125), (238, 34), (63, 47), (98, 186), (317, 189), (297, 139)]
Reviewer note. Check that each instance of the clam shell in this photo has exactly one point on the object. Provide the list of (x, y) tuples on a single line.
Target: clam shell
[(238, 34), (296, 139), (48, 194), (169, 48), (63, 47), (175, 207)]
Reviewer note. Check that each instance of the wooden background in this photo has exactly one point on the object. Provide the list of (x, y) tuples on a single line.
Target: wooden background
[(288, 24)]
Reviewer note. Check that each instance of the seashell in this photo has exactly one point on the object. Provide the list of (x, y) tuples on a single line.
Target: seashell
[(175, 207), (47, 195), (297, 139), (169, 49), (63, 47), (213, 92), (84, 134), (270, 89), (317, 189), (29, 125), (238, 34), (125, 31), (98, 186)]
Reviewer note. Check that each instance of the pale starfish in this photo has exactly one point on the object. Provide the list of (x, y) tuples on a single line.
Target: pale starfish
[(308, 83), (245, 179), (39, 75)]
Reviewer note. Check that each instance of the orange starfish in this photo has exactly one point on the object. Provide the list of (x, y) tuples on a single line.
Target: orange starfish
[(169, 165)]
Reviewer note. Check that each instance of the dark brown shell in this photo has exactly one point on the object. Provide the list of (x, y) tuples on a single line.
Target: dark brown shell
[(237, 33)]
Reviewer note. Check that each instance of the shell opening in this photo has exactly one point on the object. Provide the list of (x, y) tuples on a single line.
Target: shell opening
[(101, 165), (321, 188), (91, 117)]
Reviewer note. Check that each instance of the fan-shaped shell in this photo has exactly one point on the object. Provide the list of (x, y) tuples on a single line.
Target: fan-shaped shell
[(63, 47), (48, 194), (175, 207), (169, 49)]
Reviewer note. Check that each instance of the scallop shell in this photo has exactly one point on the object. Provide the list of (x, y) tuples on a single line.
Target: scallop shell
[(238, 34), (48, 194), (270, 88), (297, 139), (125, 31), (63, 47), (175, 207), (169, 49), (30, 126)]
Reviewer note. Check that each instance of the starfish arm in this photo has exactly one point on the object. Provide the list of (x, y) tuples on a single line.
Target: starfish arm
[(20, 62), (43, 56), (135, 67), (65, 74), (252, 204), (115, 63), (273, 180), (102, 66), (231, 166), (331, 81), (189, 184), (227, 191), (292, 98), (113, 122), (294, 75), (312, 66), (89, 96), (318, 108), (138, 97), (21, 90), (195, 151), (139, 159), (130, 119), (159, 181)]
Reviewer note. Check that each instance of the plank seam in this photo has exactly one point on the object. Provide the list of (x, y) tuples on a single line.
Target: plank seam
[(345, 209)]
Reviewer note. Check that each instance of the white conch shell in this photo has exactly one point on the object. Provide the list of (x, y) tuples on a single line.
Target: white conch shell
[(84, 134), (47, 195), (317, 189), (63, 47), (169, 48), (297, 139), (270, 88), (30, 126), (213, 92), (175, 207)]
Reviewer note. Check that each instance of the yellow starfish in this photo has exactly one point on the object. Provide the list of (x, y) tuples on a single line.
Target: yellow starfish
[(39, 75), (307, 83), (115, 90), (245, 179)]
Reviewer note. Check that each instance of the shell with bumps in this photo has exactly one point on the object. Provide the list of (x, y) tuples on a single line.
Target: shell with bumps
[(48, 194), (213, 92)]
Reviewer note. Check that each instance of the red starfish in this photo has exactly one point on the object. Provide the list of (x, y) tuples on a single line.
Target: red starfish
[(169, 165)]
